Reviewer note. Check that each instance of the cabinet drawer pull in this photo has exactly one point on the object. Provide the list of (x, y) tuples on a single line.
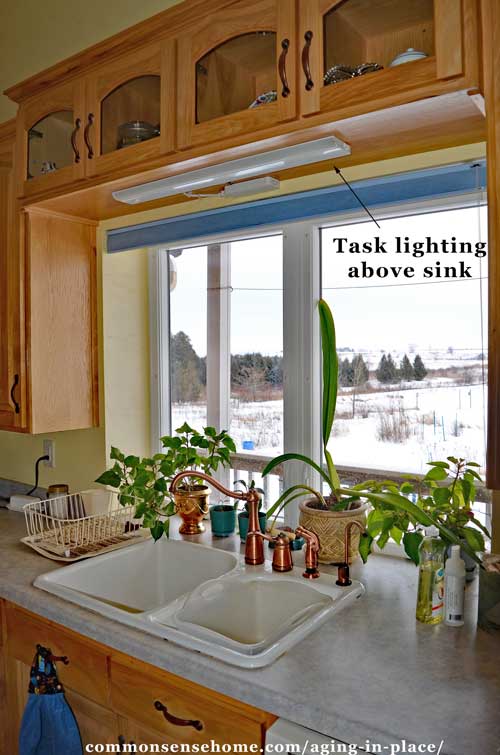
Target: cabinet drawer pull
[(285, 45), (86, 137), (74, 134), (17, 408), (305, 60), (177, 721)]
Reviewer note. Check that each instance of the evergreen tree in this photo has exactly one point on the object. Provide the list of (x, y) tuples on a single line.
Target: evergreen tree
[(359, 370), (386, 371), (406, 371), (346, 373), (187, 368), (419, 369)]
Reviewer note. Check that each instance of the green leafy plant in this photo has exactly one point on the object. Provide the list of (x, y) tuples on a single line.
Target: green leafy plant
[(145, 482), (205, 451), (447, 493), (393, 515), (246, 487)]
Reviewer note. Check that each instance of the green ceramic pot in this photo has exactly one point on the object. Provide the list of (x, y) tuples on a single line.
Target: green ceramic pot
[(243, 523), (223, 520)]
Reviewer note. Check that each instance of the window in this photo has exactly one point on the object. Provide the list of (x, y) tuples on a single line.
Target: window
[(245, 351), (412, 351), (226, 345)]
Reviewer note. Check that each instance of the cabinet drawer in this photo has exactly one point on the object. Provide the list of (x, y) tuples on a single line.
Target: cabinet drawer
[(87, 670), (134, 693)]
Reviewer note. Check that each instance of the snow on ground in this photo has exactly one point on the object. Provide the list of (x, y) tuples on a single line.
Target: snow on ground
[(441, 419)]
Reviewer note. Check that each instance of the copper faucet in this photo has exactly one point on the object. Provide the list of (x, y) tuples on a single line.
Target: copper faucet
[(343, 575), (254, 544), (312, 550)]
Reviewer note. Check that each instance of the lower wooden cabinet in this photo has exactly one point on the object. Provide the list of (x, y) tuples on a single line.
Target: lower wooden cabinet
[(116, 698)]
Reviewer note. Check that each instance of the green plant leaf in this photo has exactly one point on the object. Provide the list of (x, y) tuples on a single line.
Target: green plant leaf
[(184, 429), (474, 539), (304, 488), (116, 454), (442, 464), (157, 531), (436, 473), (411, 544), (330, 368), (441, 495), (110, 477), (332, 472), (365, 546), (473, 464), (229, 443), (131, 461), (211, 432), (481, 527), (296, 457), (166, 527)]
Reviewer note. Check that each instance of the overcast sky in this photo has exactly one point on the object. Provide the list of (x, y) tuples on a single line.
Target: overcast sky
[(370, 314)]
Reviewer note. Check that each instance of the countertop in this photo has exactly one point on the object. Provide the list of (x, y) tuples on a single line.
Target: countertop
[(371, 673)]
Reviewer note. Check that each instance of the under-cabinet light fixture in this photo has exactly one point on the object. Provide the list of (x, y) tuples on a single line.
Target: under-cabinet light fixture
[(305, 153)]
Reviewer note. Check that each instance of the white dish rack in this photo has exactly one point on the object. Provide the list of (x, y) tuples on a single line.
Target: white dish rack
[(81, 525)]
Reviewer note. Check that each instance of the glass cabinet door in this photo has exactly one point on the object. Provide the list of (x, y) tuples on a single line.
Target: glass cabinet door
[(363, 36), (355, 51), (51, 131), (129, 102), (50, 145), (237, 72), (130, 114)]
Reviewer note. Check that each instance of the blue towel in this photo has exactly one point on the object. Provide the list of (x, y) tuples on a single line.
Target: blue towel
[(49, 727)]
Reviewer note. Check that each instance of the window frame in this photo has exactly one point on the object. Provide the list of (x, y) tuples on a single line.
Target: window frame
[(301, 331)]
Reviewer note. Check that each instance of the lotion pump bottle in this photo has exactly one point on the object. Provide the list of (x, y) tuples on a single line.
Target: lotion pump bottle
[(454, 589)]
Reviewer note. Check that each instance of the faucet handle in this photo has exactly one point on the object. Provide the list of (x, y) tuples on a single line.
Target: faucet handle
[(312, 549), (282, 556)]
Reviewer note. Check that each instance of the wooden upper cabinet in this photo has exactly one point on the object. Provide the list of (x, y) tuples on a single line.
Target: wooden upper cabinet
[(352, 51), (50, 139), (131, 109), (237, 72)]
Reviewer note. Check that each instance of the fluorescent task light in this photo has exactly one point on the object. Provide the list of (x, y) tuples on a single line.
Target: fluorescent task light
[(247, 188), (254, 165)]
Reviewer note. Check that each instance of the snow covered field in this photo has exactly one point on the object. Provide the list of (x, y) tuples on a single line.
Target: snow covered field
[(394, 428)]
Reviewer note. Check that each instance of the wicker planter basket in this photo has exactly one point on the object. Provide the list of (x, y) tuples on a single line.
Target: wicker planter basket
[(330, 526)]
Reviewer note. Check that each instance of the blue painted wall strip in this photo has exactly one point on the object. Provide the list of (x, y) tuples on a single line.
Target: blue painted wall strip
[(386, 190)]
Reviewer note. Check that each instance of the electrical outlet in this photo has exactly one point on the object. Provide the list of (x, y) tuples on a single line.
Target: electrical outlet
[(49, 449)]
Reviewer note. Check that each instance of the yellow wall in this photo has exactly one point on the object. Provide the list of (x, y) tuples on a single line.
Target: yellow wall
[(33, 36)]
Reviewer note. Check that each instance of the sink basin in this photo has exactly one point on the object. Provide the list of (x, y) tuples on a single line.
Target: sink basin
[(139, 578), (252, 616), (203, 598)]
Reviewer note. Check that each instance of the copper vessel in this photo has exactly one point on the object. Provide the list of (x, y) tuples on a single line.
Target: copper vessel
[(254, 546), (192, 505)]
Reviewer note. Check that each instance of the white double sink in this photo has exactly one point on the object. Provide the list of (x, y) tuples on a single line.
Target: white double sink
[(203, 598)]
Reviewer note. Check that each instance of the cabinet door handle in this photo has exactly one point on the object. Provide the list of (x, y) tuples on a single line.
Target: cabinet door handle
[(306, 67), (86, 136), (285, 44), (177, 721), (74, 134), (17, 408)]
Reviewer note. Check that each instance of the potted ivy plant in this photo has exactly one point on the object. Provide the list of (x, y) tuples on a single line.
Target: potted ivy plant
[(143, 483), (328, 515), (205, 451)]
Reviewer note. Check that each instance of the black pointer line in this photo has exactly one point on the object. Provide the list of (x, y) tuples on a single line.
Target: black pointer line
[(337, 171)]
